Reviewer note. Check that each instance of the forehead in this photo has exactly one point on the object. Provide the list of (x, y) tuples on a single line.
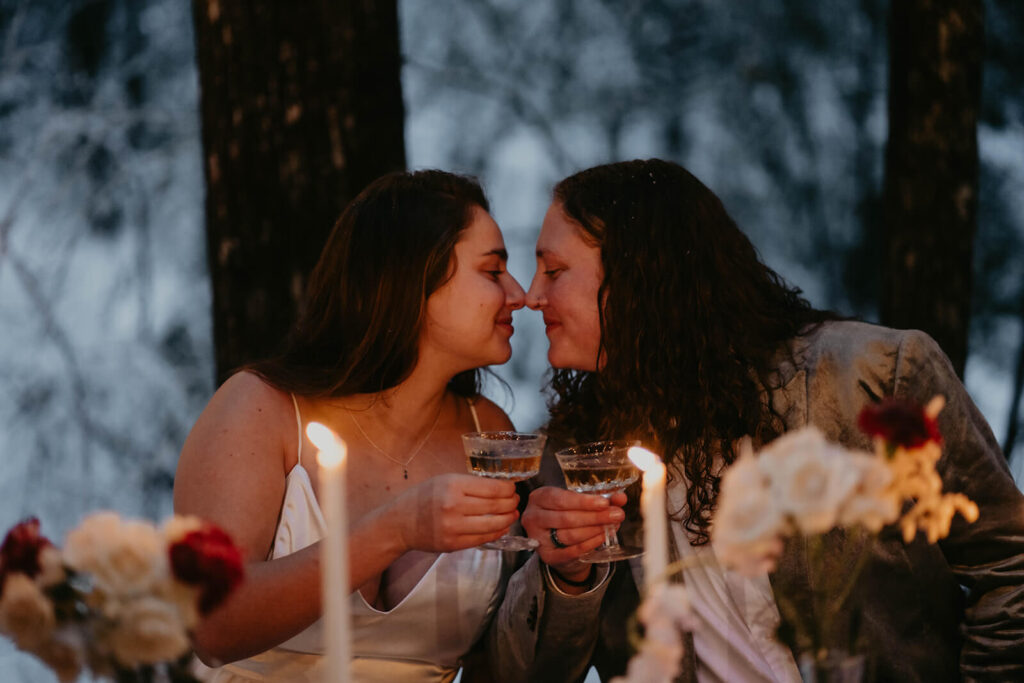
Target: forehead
[(482, 233), (561, 236)]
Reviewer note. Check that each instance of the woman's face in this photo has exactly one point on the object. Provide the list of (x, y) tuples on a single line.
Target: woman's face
[(469, 318), (564, 289)]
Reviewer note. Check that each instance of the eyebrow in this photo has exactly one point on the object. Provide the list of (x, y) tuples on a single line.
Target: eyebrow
[(500, 253)]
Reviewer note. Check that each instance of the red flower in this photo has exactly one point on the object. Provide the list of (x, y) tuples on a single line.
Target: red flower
[(20, 550), (209, 559), (899, 422)]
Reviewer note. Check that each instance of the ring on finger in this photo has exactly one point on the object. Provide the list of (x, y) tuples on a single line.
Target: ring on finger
[(553, 534)]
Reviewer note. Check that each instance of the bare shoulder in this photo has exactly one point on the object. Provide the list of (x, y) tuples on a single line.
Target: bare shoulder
[(492, 418), (245, 389), (244, 409), (233, 464)]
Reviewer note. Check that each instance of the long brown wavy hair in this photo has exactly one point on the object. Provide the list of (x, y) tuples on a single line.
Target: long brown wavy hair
[(691, 324), (364, 307)]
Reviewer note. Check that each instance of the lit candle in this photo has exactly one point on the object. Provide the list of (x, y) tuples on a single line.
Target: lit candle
[(334, 551), (652, 506)]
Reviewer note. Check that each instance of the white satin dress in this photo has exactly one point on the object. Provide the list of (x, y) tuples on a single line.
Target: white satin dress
[(420, 640)]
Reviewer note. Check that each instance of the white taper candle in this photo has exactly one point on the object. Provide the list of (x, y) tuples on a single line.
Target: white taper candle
[(334, 552), (652, 506)]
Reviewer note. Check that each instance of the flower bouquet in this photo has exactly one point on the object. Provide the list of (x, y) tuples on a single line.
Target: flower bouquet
[(121, 597), (797, 490), (800, 488)]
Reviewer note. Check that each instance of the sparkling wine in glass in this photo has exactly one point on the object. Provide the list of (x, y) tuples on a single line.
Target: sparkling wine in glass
[(603, 468), (505, 455)]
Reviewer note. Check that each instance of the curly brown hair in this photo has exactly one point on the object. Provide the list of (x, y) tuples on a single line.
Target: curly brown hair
[(691, 325)]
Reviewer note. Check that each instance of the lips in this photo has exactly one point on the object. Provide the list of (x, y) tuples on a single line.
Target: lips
[(550, 324), (506, 324)]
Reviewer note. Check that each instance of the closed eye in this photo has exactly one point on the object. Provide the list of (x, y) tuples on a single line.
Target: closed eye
[(553, 272)]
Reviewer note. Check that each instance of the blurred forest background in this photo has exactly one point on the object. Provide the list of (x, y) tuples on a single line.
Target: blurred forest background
[(106, 323)]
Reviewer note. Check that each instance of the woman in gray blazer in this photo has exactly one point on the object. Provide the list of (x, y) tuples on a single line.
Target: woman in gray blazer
[(665, 326)]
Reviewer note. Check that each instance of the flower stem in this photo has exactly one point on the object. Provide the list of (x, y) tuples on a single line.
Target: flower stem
[(815, 561), (862, 560)]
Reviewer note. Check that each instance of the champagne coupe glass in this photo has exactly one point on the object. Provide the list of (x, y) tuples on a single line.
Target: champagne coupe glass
[(601, 467), (505, 455)]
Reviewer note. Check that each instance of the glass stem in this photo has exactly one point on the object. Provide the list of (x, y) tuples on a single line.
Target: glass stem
[(610, 540)]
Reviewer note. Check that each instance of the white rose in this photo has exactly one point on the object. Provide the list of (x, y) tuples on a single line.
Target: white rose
[(83, 542), (775, 454), (148, 630), (26, 615), (810, 479), (125, 558), (871, 503), (748, 522)]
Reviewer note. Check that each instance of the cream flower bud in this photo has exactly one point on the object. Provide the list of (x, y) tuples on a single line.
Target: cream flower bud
[(51, 567), (26, 615), (179, 526)]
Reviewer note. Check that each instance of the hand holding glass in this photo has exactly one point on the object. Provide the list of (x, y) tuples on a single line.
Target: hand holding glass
[(604, 468), (505, 455)]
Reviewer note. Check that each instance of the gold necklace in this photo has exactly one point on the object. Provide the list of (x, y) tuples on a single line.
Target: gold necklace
[(415, 452)]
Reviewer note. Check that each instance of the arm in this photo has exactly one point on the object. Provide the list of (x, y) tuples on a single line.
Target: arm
[(232, 472), (988, 555)]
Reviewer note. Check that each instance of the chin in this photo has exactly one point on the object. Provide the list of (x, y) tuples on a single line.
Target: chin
[(501, 357), (563, 361), (558, 362)]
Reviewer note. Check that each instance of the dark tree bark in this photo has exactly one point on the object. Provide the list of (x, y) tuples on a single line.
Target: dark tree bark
[(1015, 419), (301, 107), (931, 174)]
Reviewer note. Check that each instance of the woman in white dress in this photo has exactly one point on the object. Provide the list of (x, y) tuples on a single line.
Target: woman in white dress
[(410, 298)]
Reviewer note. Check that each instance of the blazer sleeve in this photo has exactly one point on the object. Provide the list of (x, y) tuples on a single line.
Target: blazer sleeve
[(541, 634), (986, 556)]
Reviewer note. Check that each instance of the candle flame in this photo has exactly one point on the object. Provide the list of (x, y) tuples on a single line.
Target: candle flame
[(332, 449), (643, 458)]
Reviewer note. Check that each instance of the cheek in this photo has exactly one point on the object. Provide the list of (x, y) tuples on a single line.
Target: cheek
[(559, 297), (593, 327), (588, 335), (484, 307), (587, 322), (580, 305)]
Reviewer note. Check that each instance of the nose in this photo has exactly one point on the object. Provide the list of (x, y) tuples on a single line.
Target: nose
[(514, 294), (536, 298)]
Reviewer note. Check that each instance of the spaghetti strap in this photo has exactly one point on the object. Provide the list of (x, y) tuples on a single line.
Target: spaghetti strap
[(476, 420), (298, 421)]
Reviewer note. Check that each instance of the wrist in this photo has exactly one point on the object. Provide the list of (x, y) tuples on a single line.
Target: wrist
[(391, 522), (583, 578)]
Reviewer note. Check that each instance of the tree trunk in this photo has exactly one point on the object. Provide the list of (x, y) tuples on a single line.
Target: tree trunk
[(301, 107), (1013, 422), (931, 174)]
